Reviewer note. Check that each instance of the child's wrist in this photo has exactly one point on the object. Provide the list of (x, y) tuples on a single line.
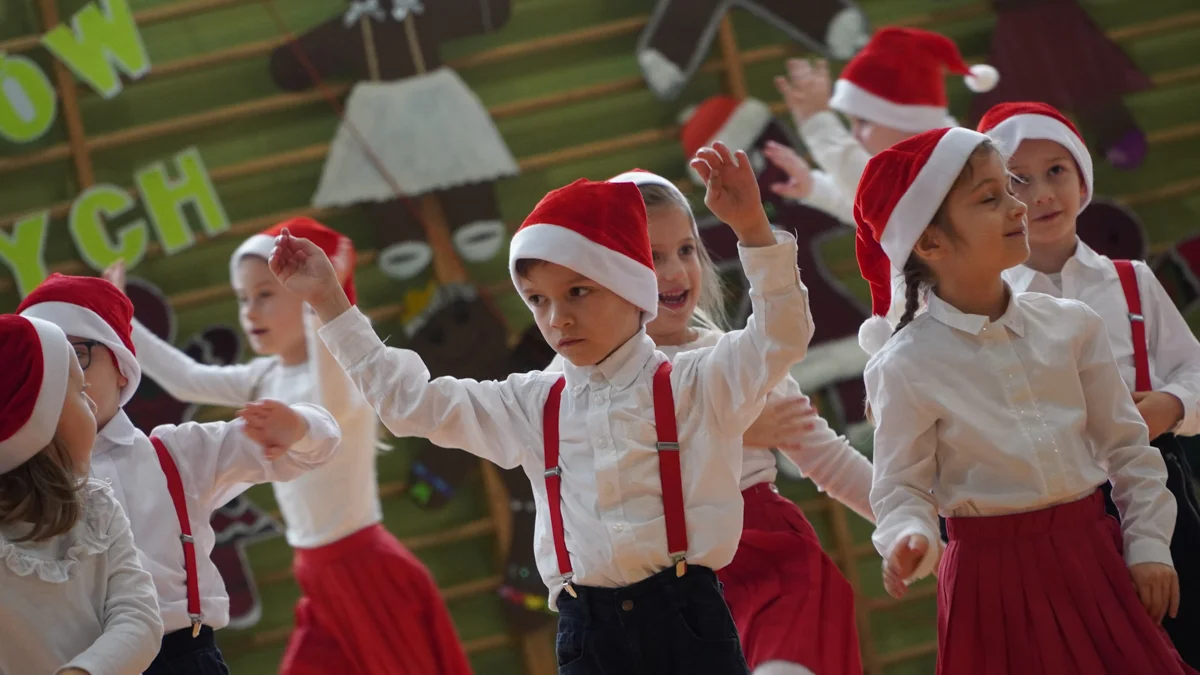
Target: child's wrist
[(757, 234), (331, 305)]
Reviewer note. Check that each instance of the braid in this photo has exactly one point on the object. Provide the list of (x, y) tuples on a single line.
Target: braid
[(915, 275)]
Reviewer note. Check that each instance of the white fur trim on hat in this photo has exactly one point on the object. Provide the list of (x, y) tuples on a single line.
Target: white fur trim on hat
[(744, 126), (84, 323), (874, 333), (647, 178), (39, 429), (259, 245), (617, 272), (1009, 134), (850, 99), (915, 210)]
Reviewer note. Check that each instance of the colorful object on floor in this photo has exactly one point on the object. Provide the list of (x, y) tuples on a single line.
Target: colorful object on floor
[(1052, 51), (680, 33), (239, 523)]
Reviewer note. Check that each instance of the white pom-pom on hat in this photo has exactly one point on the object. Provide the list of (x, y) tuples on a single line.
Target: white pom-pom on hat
[(873, 334), (982, 78)]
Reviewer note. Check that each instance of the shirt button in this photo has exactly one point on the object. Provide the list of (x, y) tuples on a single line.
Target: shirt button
[(602, 442), (597, 398), (618, 527), (627, 605)]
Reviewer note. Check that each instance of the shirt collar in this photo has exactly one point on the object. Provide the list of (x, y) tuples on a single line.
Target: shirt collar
[(1022, 277), (1013, 317), (118, 431), (620, 369)]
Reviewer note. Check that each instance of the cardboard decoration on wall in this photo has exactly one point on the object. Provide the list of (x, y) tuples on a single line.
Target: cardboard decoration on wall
[(240, 522), (680, 32), (1052, 51), (406, 105)]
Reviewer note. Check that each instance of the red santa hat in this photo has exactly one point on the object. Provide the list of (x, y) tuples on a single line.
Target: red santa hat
[(597, 230), (898, 79), (33, 386), (735, 123), (898, 195), (93, 309), (1008, 124), (336, 245)]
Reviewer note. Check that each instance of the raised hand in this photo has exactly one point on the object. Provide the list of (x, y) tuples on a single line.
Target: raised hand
[(904, 560), (304, 269), (115, 274), (273, 425), (1158, 588), (800, 179), (781, 421), (733, 194), (807, 89)]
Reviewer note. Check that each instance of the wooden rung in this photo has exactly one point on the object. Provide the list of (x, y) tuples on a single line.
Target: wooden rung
[(485, 644), (472, 588), (212, 59), (1164, 25), (908, 653), (587, 35), (610, 145), (913, 595)]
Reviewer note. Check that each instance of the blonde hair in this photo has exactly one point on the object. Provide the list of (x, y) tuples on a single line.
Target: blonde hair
[(710, 304), (43, 492)]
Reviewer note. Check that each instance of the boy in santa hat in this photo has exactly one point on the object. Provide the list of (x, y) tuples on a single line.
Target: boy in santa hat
[(1157, 353), (171, 481), (631, 527)]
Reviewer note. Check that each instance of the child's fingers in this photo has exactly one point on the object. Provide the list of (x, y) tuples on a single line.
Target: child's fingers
[(1173, 610), (799, 69), (726, 154), (822, 68), (702, 168), (742, 161), (711, 156)]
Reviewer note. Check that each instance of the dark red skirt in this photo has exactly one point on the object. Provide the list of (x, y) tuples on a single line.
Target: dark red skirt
[(370, 608), (1045, 593), (789, 600)]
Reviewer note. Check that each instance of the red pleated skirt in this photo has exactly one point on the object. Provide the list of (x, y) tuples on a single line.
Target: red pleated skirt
[(370, 608), (1045, 593), (789, 600)]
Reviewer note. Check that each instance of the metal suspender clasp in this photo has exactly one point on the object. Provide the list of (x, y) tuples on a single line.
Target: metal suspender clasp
[(556, 471), (197, 622), (660, 446), (567, 585), (1137, 317), (680, 560), (187, 539)]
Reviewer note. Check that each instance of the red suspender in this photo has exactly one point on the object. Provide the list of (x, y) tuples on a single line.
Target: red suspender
[(175, 487), (668, 469), (1137, 324)]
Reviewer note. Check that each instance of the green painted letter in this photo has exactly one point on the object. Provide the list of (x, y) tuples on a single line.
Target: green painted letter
[(88, 220), (165, 199), (24, 252), (27, 101), (99, 45)]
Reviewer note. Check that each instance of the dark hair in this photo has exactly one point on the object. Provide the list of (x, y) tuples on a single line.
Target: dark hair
[(917, 275), (710, 304), (44, 492), (523, 265)]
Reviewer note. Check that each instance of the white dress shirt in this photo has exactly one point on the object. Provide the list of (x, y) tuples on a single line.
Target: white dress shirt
[(1174, 353), (821, 455), (612, 496), (981, 418), (79, 600), (216, 462), (318, 507)]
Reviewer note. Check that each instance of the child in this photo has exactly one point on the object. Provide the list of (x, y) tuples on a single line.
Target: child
[(369, 605), (793, 608), (1158, 357), (1005, 412), (629, 526), (73, 598), (170, 482)]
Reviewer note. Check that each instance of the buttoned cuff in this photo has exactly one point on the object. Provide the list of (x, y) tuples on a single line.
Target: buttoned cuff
[(350, 337), (1189, 425), (1138, 551), (771, 268)]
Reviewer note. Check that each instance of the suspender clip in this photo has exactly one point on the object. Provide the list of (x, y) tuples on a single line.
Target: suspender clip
[(669, 445), (556, 471), (197, 622), (567, 585), (1137, 317), (187, 539), (680, 560)]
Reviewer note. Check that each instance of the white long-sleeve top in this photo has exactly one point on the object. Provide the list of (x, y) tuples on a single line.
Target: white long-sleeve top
[(982, 418), (80, 600), (318, 507), (821, 455), (216, 462), (1174, 353), (612, 497)]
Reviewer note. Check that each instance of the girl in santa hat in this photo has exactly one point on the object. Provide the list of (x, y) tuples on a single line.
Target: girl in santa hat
[(73, 598), (368, 604), (1158, 356), (169, 483), (793, 608), (1005, 412)]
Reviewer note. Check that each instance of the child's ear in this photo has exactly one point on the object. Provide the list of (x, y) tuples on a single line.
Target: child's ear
[(931, 245), (122, 381)]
